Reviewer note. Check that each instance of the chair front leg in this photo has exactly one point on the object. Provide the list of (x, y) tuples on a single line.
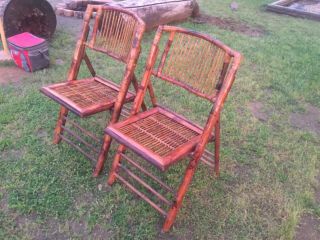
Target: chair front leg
[(171, 216), (60, 124), (116, 111), (115, 164), (217, 149), (103, 155)]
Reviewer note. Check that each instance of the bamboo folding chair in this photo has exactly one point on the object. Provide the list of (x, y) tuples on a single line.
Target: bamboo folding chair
[(117, 33), (207, 69)]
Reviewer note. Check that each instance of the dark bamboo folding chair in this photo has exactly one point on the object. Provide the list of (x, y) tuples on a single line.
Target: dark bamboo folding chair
[(117, 33), (163, 137)]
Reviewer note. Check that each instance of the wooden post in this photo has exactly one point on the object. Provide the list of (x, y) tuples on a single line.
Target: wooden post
[(4, 54)]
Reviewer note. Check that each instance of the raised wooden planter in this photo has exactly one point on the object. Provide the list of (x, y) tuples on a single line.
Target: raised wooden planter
[(283, 7)]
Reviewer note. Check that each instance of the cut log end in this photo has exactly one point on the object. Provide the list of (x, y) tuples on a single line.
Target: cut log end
[(34, 16)]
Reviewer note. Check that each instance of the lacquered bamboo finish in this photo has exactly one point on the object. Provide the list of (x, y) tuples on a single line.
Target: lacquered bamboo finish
[(117, 33), (199, 64)]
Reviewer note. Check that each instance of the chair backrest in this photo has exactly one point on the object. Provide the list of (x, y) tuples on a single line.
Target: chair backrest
[(115, 31), (196, 62)]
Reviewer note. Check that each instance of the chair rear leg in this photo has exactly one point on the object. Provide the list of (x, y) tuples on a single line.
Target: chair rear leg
[(60, 123), (171, 216), (115, 164), (103, 155), (217, 150)]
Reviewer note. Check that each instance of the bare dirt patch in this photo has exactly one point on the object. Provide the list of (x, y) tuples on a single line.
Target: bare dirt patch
[(12, 154), (317, 192), (84, 200), (12, 74), (4, 202), (309, 228), (308, 120), (259, 111), (42, 133), (100, 233), (231, 25), (242, 171)]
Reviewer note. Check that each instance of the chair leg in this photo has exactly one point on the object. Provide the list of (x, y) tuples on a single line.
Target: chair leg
[(171, 216), (115, 164), (115, 114), (60, 123), (102, 156), (217, 150)]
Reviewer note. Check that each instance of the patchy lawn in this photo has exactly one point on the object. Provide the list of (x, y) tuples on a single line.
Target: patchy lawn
[(270, 149)]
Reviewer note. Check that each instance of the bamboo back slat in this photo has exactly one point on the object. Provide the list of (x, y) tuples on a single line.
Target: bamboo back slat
[(196, 63), (113, 32)]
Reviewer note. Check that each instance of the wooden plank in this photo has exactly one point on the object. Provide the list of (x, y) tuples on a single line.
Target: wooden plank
[(279, 7)]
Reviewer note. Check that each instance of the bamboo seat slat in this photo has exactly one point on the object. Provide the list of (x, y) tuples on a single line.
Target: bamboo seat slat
[(163, 138), (85, 97)]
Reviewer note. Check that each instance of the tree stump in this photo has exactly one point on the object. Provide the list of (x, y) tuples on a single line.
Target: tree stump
[(34, 16), (158, 12)]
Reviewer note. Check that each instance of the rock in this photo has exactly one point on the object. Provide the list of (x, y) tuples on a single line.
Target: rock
[(68, 13), (59, 61), (234, 6)]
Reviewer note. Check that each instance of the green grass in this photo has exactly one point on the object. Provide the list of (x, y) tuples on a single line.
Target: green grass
[(268, 168)]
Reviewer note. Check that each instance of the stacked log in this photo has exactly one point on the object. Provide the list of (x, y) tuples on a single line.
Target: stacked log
[(153, 12), (158, 12)]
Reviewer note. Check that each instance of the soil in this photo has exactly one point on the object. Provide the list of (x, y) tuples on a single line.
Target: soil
[(71, 25), (243, 172), (52, 228), (317, 191), (11, 74), (12, 154), (308, 121), (309, 228), (258, 110), (231, 25)]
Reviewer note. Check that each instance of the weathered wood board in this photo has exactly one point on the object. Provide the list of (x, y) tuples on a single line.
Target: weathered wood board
[(158, 12), (281, 6)]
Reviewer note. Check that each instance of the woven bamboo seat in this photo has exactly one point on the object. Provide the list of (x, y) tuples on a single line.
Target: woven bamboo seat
[(86, 96), (161, 136)]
